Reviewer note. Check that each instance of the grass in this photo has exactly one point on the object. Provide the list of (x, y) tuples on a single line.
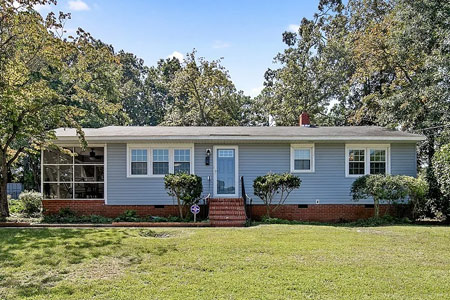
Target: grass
[(262, 262)]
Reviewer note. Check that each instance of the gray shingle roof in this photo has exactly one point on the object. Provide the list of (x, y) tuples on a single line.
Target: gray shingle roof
[(240, 133)]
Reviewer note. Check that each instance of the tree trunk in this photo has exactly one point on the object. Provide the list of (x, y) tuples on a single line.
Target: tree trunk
[(376, 204), (268, 210), (4, 210), (180, 208)]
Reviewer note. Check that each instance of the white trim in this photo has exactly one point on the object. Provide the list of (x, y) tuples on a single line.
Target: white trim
[(236, 171), (246, 138), (150, 147), (312, 154), (367, 148), (105, 173)]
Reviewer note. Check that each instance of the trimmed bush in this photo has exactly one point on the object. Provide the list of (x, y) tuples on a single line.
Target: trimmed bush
[(268, 186), (186, 188), (388, 188), (31, 202)]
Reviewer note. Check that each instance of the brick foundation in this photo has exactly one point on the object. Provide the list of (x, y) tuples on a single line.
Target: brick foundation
[(321, 212), (98, 207), (313, 212)]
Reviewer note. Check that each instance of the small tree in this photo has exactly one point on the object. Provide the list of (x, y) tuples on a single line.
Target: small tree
[(380, 187), (187, 188), (268, 186), (441, 169), (417, 189)]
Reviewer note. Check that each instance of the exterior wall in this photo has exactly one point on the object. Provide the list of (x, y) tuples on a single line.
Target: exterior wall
[(327, 184)]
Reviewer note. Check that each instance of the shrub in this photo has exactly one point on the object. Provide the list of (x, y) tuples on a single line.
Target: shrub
[(417, 189), (128, 216), (381, 188), (441, 169), (15, 206), (31, 202), (66, 215), (268, 186), (186, 188)]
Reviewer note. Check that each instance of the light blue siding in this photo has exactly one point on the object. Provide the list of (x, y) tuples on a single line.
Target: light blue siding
[(327, 184), (133, 191)]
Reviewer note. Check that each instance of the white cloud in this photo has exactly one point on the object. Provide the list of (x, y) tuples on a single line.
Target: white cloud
[(293, 28), (41, 8), (176, 54), (78, 5), (254, 91), (221, 44)]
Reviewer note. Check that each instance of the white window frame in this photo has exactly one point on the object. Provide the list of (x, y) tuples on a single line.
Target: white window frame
[(150, 148), (366, 148), (311, 148), (73, 182)]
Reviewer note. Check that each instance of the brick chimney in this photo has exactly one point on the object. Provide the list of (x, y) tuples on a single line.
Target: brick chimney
[(303, 120)]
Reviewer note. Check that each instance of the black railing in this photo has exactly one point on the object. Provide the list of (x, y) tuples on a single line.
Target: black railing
[(247, 206), (204, 213)]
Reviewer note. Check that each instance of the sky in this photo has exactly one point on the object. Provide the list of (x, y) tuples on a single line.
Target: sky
[(245, 34)]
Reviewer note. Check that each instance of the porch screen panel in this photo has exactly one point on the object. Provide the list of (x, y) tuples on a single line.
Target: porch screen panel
[(77, 176)]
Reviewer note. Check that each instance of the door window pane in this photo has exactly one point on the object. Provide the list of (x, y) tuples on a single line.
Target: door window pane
[(160, 161), (226, 172)]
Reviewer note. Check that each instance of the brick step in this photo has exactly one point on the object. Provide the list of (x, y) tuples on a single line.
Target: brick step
[(227, 213), (227, 219), (228, 223), (226, 208)]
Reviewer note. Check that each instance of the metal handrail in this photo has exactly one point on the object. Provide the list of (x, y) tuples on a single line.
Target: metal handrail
[(247, 208)]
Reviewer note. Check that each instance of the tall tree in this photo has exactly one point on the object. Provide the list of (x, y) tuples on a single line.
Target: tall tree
[(204, 95), (47, 82)]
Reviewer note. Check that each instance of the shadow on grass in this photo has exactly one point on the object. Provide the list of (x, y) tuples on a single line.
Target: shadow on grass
[(371, 222), (13, 241)]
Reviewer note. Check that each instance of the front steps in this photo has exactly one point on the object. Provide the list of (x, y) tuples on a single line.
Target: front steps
[(227, 212)]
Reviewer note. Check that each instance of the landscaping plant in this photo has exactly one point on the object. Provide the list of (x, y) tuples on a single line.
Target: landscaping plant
[(267, 188), (417, 189), (187, 188), (388, 188), (441, 169), (31, 202)]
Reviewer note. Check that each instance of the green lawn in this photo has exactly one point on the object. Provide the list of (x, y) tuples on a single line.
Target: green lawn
[(263, 262)]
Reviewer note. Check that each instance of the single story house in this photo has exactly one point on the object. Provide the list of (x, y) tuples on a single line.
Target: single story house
[(123, 167)]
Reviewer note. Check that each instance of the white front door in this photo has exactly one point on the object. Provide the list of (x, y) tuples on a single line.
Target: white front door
[(226, 181)]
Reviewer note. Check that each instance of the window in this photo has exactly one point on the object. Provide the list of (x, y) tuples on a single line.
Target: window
[(367, 159), (377, 161), (79, 175), (160, 161), (139, 162), (302, 158), (182, 158), (356, 165), (147, 160)]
